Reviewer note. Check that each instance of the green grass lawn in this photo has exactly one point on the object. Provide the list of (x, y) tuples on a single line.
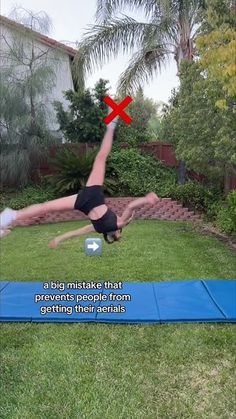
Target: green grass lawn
[(108, 371)]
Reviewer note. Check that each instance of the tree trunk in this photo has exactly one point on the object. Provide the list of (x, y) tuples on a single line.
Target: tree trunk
[(227, 181), (31, 94), (182, 172), (183, 52)]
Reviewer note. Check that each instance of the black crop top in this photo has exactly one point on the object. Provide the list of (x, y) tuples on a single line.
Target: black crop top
[(107, 223)]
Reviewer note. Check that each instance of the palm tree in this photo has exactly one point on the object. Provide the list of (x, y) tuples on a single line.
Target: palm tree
[(169, 30)]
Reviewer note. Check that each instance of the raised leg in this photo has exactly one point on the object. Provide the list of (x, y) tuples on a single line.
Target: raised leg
[(97, 174), (151, 198), (8, 216), (60, 204)]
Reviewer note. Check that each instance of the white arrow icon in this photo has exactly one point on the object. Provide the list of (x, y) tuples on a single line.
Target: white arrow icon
[(93, 246)]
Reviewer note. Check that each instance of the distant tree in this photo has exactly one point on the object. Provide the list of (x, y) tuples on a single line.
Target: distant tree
[(26, 76), (217, 49), (217, 53), (200, 119), (154, 128), (100, 91), (202, 133), (142, 109), (155, 123), (83, 122)]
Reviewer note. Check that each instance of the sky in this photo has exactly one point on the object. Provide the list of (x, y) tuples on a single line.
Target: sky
[(71, 19)]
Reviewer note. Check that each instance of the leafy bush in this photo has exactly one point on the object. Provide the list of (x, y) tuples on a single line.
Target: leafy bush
[(213, 210), (136, 173), (127, 134), (129, 172), (71, 171), (83, 121), (196, 196), (226, 217), (28, 196)]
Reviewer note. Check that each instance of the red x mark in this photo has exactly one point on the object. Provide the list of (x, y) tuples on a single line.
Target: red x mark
[(118, 109)]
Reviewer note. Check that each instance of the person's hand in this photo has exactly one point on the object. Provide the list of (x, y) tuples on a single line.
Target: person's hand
[(53, 244), (152, 198)]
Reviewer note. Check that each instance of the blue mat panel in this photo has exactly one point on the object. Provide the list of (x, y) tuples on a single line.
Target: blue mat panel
[(17, 303), (136, 302), (3, 284), (183, 301), (140, 304), (223, 296)]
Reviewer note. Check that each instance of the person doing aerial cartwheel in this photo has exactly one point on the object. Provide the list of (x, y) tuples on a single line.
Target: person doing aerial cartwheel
[(90, 200)]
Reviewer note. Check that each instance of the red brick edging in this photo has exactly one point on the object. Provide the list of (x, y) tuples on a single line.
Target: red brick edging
[(164, 209)]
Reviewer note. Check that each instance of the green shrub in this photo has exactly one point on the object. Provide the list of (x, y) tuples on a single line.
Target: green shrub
[(28, 196), (83, 120), (226, 217), (196, 196), (136, 173), (71, 171), (128, 172), (213, 210)]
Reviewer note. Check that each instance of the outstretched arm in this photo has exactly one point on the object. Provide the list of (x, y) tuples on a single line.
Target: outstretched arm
[(127, 216), (75, 233)]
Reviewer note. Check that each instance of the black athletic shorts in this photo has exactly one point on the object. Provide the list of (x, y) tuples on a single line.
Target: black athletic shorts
[(89, 198)]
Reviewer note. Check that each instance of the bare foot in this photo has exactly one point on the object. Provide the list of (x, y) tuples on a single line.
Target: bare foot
[(152, 198), (53, 244)]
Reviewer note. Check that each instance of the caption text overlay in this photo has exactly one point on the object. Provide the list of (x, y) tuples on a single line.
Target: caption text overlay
[(95, 297)]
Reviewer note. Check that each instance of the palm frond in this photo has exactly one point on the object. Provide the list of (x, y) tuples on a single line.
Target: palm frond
[(106, 9), (171, 23), (162, 29), (145, 63), (105, 41)]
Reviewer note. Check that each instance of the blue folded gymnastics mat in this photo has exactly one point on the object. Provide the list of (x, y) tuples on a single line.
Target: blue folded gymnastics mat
[(136, 302)]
